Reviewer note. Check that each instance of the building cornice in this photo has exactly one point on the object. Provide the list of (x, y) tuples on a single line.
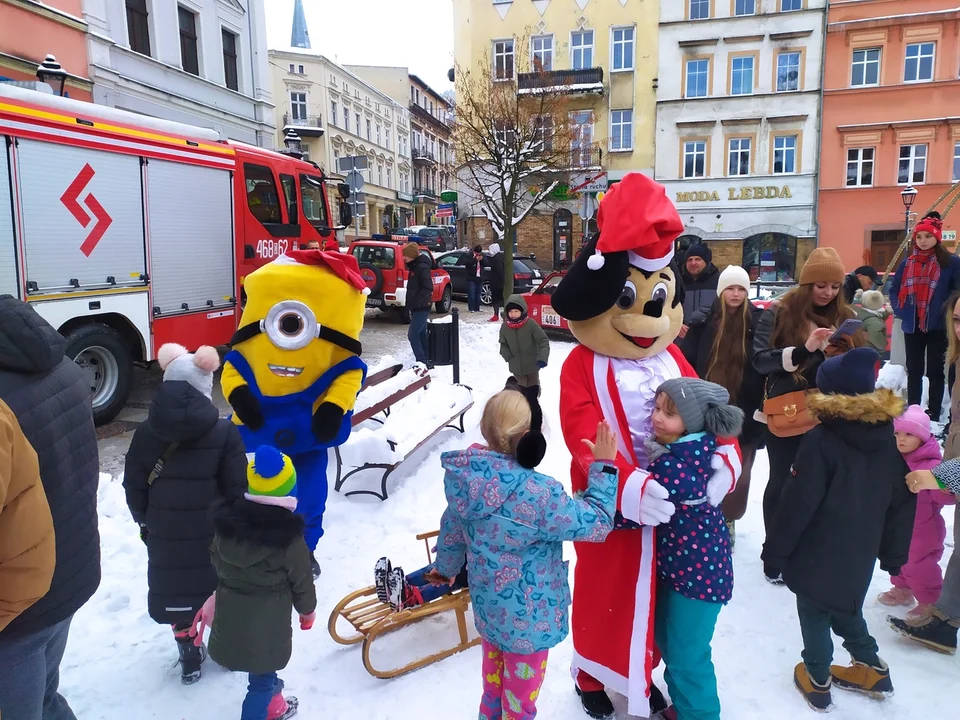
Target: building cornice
[(898, 124), (50, 13), (891, 88), (772, 18), (714, 98), (921, 18)]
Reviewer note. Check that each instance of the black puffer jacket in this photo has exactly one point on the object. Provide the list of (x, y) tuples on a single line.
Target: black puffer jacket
[(50, 397), (699, 293), (769, 360), (420, 284), (208, 463)]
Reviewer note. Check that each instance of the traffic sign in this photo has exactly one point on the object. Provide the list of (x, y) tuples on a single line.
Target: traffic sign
[(587, 206), (357, 198), (355, 180), (354, 162), (588, 182)]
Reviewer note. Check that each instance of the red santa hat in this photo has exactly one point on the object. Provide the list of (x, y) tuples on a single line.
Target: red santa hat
[(343, 265), (637, 217)]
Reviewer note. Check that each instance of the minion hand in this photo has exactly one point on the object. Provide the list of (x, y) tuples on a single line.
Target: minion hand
[(326, 422), (247, 407)]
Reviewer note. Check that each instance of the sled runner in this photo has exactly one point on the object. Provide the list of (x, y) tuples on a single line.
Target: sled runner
[(371, 619)]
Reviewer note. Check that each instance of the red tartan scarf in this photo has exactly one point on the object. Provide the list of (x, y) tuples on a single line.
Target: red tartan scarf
[(920, 276)]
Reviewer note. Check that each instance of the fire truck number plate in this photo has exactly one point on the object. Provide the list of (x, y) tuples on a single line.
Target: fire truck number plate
[(272, 248)]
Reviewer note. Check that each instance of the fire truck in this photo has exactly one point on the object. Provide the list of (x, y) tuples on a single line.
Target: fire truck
[(126, 232)]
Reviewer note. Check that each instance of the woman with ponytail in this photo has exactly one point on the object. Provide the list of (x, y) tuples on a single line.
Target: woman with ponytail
[(919, 292)]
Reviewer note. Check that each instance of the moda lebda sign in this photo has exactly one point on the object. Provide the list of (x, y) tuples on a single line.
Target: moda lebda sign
[(770, 192)]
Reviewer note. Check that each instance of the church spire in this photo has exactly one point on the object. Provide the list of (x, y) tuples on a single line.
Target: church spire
[(299, 36)]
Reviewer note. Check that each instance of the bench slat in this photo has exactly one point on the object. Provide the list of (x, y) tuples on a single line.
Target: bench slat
[(387, 402)]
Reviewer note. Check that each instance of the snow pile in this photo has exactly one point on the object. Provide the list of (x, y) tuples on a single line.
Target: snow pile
[(374, 394)]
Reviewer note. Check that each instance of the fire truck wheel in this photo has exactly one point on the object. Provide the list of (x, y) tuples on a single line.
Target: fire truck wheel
[(371, 272), (446, 302), (101, 353)]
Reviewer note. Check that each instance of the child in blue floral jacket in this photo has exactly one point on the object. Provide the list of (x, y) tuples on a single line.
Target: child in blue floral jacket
[(694, 566), (511, 522)]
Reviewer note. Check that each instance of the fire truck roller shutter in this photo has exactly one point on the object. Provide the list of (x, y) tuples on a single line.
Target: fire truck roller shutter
[(8, 248), (82, 217), (191, 238)]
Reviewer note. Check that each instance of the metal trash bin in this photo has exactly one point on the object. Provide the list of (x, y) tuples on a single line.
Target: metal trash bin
[(443, 342)]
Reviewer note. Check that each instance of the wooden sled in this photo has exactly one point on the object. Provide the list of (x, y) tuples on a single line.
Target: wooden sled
[(372, 619)]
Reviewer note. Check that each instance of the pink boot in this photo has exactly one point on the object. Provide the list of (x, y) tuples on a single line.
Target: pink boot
[(896, 596), (281, 708)]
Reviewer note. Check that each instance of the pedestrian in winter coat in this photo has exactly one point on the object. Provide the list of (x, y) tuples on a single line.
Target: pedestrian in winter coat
[(419, 296), (523, 343), (919, 293), (200, 459), (920, 579), (719, 347), (510, 523), (497, 279), (50, 396), (844, 506), (863, 278), (873, 315), (473, 264), (700, 277), (263, 564), (27, 554)]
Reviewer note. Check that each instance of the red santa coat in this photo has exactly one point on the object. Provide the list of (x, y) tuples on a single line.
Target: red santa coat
[(615, 581)]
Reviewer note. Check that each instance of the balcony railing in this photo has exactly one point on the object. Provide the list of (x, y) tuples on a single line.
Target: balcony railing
[(587, 80), (309, 124), (588, 156), (424, 155), (424, 192)]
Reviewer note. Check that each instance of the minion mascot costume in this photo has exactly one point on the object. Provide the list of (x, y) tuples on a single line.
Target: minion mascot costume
[(294, 372), (623, 300)]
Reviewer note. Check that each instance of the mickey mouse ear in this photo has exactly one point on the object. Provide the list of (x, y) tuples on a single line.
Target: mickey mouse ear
[(531, 449)]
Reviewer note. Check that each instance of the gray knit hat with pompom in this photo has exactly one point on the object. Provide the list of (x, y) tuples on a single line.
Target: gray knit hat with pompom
[(703, 406)]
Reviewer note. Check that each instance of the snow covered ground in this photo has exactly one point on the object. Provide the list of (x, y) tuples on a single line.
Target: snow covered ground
[(120, 664)]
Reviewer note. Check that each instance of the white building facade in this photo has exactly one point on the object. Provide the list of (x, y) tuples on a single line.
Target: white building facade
[(738, 112), (202, 62)]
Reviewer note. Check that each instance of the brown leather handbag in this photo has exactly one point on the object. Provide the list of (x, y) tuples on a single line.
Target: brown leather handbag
[(788, 414)]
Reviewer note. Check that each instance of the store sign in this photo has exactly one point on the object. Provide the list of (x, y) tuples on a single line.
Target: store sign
[(949, 235), (770, 192)]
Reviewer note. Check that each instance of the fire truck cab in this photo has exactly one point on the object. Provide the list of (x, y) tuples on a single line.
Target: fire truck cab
[(126, 232)]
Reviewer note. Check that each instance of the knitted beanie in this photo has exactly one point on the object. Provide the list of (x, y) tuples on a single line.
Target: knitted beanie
[(411, 250), (733, 275), (703, 406), (853, 373), (700, 251), (872, 300), (272, 479), (823, 265), (932, 224), (194, 368), (914, 421)]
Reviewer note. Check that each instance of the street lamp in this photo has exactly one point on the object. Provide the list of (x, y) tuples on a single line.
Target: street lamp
[(909, 195), (50, 72), (292, 143)]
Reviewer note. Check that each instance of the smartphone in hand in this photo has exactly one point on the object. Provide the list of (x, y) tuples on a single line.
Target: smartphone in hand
[(848, 328)]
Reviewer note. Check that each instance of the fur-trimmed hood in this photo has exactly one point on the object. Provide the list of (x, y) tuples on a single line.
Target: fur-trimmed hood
[(264, 527), (880, 406)]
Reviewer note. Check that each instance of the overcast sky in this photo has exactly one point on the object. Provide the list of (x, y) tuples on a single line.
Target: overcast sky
[(417, 34)]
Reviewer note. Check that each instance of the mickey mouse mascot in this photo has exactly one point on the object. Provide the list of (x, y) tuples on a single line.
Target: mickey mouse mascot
[(623, 300)]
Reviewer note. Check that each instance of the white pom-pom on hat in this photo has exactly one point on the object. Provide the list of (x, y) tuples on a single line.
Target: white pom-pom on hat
[(207, 358), (365, 291), (169, 352), (595, 261)]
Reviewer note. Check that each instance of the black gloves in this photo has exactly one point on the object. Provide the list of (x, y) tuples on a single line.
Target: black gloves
[(326, 422), (771, 571), (143, 532), (893, 571), (247, 407)]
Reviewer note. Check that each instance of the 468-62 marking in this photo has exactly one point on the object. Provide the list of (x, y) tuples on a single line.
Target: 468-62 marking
[(272, 248)]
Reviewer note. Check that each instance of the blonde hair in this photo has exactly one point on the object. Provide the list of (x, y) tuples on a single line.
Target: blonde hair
[(506, 417)]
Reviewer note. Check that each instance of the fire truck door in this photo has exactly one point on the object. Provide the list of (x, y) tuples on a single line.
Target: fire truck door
[(82, 216), (8, 245), (191, 237)]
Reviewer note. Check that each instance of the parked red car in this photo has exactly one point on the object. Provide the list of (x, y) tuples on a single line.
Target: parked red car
[(539, 308)]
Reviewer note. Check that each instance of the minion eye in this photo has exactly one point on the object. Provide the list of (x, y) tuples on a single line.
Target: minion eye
[(628, 296), (659, 293), (290, 325)]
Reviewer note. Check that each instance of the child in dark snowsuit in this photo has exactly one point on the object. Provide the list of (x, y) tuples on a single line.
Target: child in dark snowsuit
[(523, 343), (264, 568), (182, 459), (844, 505), (688, 417)]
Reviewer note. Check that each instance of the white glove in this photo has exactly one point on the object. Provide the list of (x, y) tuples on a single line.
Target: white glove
[(655, 507), (720, 483)]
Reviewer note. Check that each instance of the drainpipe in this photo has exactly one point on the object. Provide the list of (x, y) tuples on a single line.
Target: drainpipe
[(251, 9), (823, 66)]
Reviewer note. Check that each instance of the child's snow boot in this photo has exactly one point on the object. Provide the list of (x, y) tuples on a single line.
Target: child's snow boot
[(495, 318), (919, 614), (314, 566), (381, 571), (817, 696), (658, 703), (281, 708), (596, 703), (412, 597), (396, 588), (191, 656), (859, 677), (936, 632), (896, 596)]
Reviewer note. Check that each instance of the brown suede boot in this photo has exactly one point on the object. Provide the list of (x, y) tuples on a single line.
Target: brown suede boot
[(817, 696), (858, 677)]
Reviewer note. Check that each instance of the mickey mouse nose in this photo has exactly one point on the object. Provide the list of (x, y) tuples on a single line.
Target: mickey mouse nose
[(653, 308)]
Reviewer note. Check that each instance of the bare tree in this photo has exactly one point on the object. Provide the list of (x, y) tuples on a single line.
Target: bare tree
[(514, 143)]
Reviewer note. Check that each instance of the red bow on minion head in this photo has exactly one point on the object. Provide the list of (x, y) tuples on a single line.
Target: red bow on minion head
[(636, 217), (343, 265)]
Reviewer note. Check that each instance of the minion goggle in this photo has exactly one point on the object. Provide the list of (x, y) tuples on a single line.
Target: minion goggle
[(291, 325)]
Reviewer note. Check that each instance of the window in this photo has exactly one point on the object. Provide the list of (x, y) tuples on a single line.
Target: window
[(503, 132), (300, 69), (289, 185), (298, 105), (913, 165), (138, 26), (784, 154), (695, 159), (956, 162), (378, 134), (503, 60), (369, 132), (745, 7), (346, 119), (189, 51), (262, 196), (788, 71), (699, 9), (230, 76), (860, 167), (621, 129), (770, 257), (741, 75), (293, 68), (386, 138), (380, 175), (698, 78), (356, 117), (581, 145), (541, 53), (918, 66), (333, 112), (311, 198), (739, 156), (581, 50), (543, 131), (788, 5), (622, 48), (866, 67)]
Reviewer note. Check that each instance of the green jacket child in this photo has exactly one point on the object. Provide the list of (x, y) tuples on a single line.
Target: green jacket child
[(523, 343), (873, 315)]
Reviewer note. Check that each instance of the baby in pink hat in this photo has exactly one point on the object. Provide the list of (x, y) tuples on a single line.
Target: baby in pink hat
[(921, 578)]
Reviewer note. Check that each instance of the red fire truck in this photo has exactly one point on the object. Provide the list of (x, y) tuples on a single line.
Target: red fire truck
[(126, 232)]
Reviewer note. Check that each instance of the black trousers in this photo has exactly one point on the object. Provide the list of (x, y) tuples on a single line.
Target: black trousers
[(926, 354), (781, 453)]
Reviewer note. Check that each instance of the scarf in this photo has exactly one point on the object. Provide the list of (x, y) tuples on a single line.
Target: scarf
[(921, 273), (517, 324)]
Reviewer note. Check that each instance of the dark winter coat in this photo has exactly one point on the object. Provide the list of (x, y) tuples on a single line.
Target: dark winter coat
[(497, 277), (845, 503), (264, 568), (851, 283), (936, 315), (177, 509), (526, 346), (470, 263), (769, 362), (420, 283), (697, 347), (699, 292), (50, 396)]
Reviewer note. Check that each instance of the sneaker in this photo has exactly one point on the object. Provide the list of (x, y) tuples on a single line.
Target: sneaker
[(919, 615), (896, 596), (596, 703), (381, 571), (936, 632), (862, 678), (396, 588), (495, 318), (817, 696), (314, 566)]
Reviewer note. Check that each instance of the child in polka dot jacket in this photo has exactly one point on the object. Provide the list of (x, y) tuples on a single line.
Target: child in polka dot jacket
[(694, 566)]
